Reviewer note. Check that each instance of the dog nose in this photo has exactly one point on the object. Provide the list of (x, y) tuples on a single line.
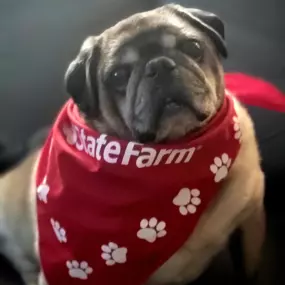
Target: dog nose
[(159, 66), (145, 137)]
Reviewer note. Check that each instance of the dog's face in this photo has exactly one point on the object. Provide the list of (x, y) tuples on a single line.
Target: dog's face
[(153, 77)]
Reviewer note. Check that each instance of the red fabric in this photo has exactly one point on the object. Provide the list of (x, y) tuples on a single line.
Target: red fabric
[(256, 92), (112, 210)]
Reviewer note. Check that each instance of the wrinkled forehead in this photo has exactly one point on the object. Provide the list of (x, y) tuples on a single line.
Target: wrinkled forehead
[(144, 35)]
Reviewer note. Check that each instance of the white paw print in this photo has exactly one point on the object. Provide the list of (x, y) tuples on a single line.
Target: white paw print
[(59, 231), (78, 270), (150, 230), (43, 190), (220, 167), (187, 200), (114, 254), (70, 134), (237, 128)]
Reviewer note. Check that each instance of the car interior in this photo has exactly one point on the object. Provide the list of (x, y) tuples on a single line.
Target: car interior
[(38, 39)]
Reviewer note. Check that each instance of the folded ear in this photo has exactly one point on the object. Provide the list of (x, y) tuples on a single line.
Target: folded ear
[(208, 22), (81, 78)]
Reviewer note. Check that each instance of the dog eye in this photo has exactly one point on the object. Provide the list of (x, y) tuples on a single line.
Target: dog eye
[(193, 48), (119, 79)]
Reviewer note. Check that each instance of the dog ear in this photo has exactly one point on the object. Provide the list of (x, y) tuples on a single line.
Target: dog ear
[(81, 78), (208, 22)]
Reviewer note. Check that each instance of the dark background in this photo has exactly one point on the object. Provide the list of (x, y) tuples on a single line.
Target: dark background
[(39, 38)]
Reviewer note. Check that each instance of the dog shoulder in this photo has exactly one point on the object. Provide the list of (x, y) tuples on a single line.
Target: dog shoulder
[(249, 146), (246, 173), (15, 194)]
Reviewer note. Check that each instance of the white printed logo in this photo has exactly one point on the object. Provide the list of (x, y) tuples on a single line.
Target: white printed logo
[(112, 152), (70, 134), (150, 230), (187, 200), (113, 254), (59, 231), (43, 190), (78, 270), (237, 128), (220, 167)]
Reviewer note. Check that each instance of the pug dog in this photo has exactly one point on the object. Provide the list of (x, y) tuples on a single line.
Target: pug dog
[(153, 78)]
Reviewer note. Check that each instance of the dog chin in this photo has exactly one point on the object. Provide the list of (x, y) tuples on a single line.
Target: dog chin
[(178, 132)]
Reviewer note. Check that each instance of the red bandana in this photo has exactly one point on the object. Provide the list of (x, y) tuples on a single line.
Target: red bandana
[(254, 91), (107, 206)]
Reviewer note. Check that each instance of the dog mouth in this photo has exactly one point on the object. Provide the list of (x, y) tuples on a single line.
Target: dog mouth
[(174, 120), (174, 107)]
